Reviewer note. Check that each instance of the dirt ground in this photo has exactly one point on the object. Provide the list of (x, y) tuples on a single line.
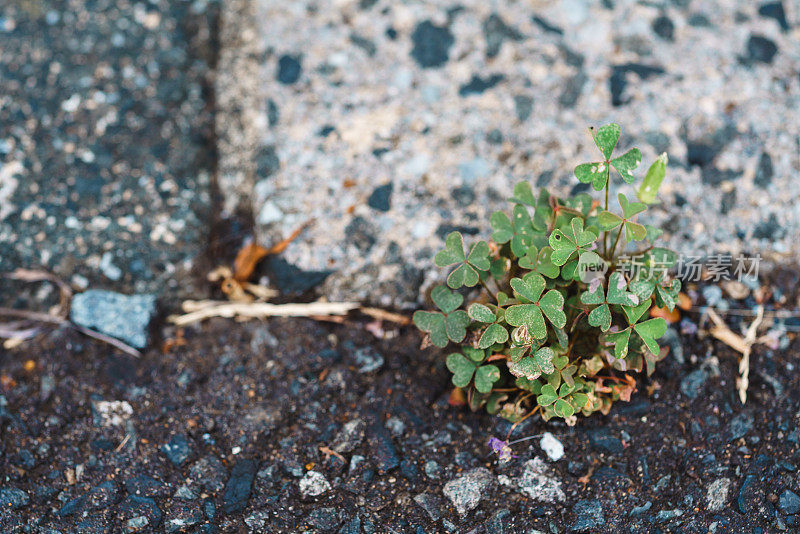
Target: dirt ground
[(246, 408)]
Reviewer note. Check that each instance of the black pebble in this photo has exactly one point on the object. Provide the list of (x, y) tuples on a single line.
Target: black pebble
[(664, 28), (617, 82), (289, 69), (523, 107), (760, 49), (764, 171), (478, 85), (431, 44), (237, 491), (381, 197)]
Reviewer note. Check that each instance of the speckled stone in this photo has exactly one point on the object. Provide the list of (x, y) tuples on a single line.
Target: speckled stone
[(471, 97)]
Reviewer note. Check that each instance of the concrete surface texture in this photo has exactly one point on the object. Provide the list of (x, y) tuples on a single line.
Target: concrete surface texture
[(390, 124)]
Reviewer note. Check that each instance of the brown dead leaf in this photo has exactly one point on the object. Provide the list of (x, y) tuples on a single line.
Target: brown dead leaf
[(670, 316), (328, 452), (246, 260), (684, 302), (281, 246), (457, 397)]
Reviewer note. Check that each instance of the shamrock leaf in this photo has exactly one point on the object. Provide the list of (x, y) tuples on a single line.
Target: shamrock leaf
[(529, 290), (494, 333), (523, 194), (570, 242), (532, 367), (633, 231), (651, 330), (626, 163), (597, 173), (539, 261), (620, 341), (450, 325), (464, 370), (563, 400), (606, 138), (564, 371), (667, 297), (518, 230), (481, 313), (648, 331), (466, 274), (485, 377)]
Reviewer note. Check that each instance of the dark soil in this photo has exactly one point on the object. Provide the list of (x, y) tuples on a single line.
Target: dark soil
[(262, 398)]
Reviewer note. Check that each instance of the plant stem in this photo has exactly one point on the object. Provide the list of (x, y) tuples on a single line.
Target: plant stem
[(605, 234), (486, 287), (614, 248)]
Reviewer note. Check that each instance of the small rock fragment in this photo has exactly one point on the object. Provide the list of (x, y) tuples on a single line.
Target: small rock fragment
[(588, 515), (552, 447), (314, 484), (125, 317), (465, 491), (717, 494), (539, 482), (789, 502), (350, 436)]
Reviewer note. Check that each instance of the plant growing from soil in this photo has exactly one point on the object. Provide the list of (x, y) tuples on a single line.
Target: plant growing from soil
[(559, 314)]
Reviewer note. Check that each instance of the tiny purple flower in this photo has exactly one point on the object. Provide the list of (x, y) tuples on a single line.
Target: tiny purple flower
[(688, 327), (502, 449)]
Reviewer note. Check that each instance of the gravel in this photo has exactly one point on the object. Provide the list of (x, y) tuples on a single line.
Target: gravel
[(125, 317), (314, 484), (553, 448), (465, 492), (540, 483)]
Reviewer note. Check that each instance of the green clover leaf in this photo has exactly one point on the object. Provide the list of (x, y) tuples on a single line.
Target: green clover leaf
[(651, 330), (606, 138), (529, 290), (450, 325), (633, 231), (481, 313), (667, 296), (570, 241), (485, 377), (648, 331), (563, 400), (467, 273), (464, 369), (564, 371), (532, 367), (518, 230), (626, 163), (495, 332), (523, 194), (597, 173), (539, 261)]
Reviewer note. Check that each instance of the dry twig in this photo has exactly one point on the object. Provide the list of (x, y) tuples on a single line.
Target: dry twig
[(741, 344), (200, 310)]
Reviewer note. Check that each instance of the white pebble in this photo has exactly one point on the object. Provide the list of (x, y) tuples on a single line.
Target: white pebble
[(552, 447)]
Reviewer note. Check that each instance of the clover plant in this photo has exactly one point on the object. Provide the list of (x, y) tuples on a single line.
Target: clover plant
[(558, 299)]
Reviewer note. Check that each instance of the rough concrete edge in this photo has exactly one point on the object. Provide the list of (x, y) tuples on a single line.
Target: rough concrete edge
[(241, 104)]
